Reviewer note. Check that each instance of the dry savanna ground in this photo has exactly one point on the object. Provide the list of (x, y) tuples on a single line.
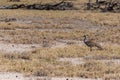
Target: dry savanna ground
[(50, 43)]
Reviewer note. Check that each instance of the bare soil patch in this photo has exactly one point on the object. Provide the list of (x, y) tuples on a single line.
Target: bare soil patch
[(17, 48), (63, 52), (82, 60), (18, 76), (11, 76)]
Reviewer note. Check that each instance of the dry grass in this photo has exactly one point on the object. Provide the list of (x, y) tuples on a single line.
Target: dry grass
[(107, 19), (56, 25), (27, 36), (44, 62)]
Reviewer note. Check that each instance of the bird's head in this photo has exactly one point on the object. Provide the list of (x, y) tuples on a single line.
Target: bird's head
[(85, 36)]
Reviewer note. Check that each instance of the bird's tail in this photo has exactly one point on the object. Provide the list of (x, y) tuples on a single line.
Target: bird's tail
[(99, 46)]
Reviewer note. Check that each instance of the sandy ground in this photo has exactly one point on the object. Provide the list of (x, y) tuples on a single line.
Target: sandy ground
[(74, 61), (11, 76), (20, 48), (17, 48), (77, 61), (18, 76)]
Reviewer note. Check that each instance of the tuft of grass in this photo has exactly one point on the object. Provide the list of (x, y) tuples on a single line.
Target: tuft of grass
[(60, 25), (45, 62)]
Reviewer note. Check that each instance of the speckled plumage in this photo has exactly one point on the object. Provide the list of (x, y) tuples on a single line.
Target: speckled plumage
[(91, 43)]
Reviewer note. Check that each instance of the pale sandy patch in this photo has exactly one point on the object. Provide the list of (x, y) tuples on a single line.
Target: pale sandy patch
[(19, 76), (17, 48)]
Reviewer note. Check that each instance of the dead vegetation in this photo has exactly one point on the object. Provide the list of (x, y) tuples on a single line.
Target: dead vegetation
[(62, 5), (44, 62), (104, 5), (47, 29)]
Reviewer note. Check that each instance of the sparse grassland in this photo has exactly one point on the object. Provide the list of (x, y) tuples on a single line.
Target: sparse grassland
[(45, 62), (31, 26)]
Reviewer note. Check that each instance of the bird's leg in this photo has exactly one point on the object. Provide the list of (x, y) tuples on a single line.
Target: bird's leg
[(90, 48)]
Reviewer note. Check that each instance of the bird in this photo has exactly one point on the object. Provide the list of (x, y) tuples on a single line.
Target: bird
[(45, 42), (90, 43)]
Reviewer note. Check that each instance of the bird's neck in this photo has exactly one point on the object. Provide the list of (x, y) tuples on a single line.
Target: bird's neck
[(85, 39)]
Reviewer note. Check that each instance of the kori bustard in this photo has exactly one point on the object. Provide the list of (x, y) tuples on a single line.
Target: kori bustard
[(90, 43)]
